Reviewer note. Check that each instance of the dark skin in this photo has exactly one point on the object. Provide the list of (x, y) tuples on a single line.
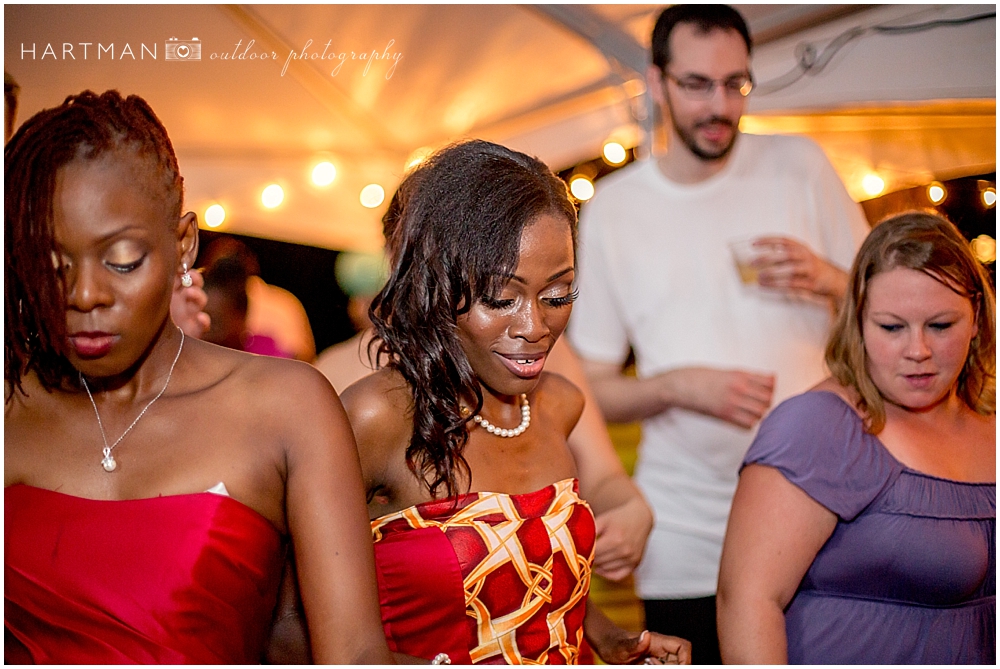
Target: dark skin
[(273, 431), (522, 323)]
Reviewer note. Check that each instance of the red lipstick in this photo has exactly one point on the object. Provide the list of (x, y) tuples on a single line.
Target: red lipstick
[(92, 344)]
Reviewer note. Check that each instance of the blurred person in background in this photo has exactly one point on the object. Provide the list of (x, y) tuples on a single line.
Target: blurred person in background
[(360, 276), (272, 312), (227, 306)]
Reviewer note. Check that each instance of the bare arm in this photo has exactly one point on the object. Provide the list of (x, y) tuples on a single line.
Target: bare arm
[(735, 396), (616, 646), (624, 519), (775, 531), (325, 502)]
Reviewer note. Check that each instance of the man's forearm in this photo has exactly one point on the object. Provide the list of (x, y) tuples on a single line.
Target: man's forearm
[(626, 399)]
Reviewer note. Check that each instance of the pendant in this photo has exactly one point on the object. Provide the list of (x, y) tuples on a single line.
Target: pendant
[(109, 463)]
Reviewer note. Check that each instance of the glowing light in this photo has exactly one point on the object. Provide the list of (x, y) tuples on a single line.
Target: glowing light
[(936, 192), (989, 197), (615, 153), (272, 196), (372, 195), (984, 248), (324, 173), (873, 184), (581, 187), (418, 156), (215, 215)]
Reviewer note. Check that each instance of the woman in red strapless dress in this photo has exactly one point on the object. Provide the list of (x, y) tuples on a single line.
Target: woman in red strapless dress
[(153, 483), (483, 546)]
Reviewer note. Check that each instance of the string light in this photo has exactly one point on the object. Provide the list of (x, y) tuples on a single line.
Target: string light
[(372, 195), (936, 192), (324, 173), (272, 196), (984, 248), (581, 187), (873, 184), (215, 215), (989, 197), (614, 153)]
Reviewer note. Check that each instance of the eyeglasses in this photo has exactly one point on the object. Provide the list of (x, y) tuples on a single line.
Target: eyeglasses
[(702, 88)]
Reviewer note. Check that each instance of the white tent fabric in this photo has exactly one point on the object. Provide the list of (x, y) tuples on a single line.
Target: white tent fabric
[(364, 86)]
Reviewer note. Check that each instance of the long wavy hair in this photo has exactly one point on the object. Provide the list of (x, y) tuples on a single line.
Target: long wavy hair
[(930, 244), (453, 232), (83, 127)]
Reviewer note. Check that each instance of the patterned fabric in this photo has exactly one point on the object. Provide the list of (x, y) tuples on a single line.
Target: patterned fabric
[(524, 562)]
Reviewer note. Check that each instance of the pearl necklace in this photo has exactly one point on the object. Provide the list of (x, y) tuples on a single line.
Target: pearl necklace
[(504, 432), (108, 462)]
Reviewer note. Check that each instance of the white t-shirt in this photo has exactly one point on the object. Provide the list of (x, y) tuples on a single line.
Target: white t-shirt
[(656, 273)]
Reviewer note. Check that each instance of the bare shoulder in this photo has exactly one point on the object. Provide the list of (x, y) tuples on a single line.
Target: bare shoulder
[(379, 406), (561, 399), (278, 389)]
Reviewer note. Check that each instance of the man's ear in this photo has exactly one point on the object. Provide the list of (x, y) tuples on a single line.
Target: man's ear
[(654, 84), (187, 238)]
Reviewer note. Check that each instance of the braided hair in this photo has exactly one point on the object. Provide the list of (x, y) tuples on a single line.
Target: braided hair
[(453, 233), (83, 127)]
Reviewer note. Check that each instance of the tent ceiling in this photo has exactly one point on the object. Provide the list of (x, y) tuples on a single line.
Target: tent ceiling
[(554, 80)]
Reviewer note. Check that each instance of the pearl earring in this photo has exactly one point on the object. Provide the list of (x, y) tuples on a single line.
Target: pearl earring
[(186, 279)]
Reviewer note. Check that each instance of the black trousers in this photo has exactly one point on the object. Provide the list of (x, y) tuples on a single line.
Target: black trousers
[(691, 619)]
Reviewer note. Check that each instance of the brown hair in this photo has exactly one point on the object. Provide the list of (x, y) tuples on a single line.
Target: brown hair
[(931, 244)]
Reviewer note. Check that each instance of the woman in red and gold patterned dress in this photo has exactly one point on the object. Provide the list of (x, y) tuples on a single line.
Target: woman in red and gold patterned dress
[(483, 546)]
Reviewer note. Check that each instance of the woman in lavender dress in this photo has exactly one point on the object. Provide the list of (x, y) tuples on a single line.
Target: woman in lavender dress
[(863, 528)]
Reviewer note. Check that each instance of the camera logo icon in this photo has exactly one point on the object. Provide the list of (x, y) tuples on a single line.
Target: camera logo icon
[(182, 49)]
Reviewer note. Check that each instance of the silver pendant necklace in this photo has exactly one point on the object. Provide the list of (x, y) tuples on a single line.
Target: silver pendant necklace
[(108, 462), (504, 432)]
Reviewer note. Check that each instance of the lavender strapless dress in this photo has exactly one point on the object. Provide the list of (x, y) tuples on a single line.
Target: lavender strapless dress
[(909, 574)]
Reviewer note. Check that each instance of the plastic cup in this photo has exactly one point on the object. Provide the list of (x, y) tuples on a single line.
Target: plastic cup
[(745, 255)]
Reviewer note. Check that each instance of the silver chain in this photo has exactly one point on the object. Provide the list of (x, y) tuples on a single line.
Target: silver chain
[(109, 462)]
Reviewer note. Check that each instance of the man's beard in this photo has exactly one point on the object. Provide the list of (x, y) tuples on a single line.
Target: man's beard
[(692, 145)]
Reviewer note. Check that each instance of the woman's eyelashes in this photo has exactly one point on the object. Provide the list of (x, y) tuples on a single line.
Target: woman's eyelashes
[(506, 303), (940, 326), (563, 300), (125, 267), (496, 303)]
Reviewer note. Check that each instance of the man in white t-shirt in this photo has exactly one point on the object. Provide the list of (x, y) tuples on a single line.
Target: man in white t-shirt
[(656, 273)]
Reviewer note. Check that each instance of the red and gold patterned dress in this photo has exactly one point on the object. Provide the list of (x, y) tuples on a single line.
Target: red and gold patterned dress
[(488, 578)]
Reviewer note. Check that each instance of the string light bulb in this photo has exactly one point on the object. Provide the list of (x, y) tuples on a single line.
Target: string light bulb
[(215, 215), (272, 196), (989, 197), (984, 248), (936, 192), (873, 184), (614, 153), (372, 195), (324, 173), (581, 187)]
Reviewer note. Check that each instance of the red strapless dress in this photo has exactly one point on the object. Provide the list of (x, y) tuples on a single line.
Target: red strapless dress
[(487, 577), (165, 580)]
